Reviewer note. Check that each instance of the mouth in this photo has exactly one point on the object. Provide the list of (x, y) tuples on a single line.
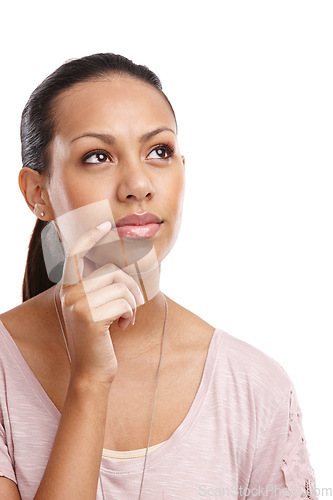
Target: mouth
[(138, 225), (138, 231)]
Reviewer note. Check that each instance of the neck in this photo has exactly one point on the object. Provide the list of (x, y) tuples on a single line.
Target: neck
[(146, 332)]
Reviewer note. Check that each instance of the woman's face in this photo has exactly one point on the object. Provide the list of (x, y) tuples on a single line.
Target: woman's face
[(115, 152)]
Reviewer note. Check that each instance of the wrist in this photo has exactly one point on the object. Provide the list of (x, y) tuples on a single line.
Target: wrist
[(87, 386)]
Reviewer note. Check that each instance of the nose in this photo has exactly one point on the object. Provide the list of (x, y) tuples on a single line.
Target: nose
[(135, 182)]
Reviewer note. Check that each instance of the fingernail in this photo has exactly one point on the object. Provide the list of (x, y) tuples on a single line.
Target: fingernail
[(104, 225)]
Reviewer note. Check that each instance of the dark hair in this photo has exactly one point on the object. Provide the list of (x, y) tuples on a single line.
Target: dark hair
[(37, 131)]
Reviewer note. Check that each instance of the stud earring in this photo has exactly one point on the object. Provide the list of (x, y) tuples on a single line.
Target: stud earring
[(42, 214)]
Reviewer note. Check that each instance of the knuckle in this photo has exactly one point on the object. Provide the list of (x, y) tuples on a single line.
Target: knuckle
[(70, 295), (80, 309), (68, 298), (121, 287), (124, 305), (112, 269)]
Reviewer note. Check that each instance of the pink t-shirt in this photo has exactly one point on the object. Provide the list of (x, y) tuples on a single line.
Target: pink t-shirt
[(242, 436)]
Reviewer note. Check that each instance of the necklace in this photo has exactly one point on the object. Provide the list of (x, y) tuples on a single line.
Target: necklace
[(158, 373)]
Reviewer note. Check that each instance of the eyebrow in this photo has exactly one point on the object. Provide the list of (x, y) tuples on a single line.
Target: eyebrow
[(110, 139)]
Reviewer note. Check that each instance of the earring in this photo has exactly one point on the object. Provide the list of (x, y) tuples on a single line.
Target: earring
[(42, 214)]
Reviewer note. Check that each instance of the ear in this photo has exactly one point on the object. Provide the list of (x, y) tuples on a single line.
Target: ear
[(33, 187)]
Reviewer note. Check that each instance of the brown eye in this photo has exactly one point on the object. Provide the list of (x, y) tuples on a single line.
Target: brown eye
[(96, 157), (160, 152)]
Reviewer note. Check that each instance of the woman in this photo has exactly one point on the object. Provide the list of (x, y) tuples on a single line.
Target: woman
[(83, 362)]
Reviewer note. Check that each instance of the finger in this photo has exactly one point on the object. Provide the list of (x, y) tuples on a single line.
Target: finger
[(111, 293), (73, 266), (112, 310), (108, 274)]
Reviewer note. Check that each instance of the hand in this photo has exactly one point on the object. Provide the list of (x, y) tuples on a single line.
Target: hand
[(91, 304)]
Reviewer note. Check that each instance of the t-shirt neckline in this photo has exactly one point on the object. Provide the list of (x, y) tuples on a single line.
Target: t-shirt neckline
[(134, 465)]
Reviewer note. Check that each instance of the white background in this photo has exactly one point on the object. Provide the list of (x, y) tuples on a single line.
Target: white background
[(251, 83)]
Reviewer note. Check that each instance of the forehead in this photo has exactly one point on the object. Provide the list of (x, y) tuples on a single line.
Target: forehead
[(115, 103)]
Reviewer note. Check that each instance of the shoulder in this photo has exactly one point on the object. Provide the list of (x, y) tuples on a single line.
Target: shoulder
[(29, 329), (251, 370), (27, 319)]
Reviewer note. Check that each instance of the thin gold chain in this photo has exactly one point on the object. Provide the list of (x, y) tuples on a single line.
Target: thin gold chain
[(155, 394)]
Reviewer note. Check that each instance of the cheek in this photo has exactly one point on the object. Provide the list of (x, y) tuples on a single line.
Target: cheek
[(174, 197), (79, 195), (72, 192), (177, 194)]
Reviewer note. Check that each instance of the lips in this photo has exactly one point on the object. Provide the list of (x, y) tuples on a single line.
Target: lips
[(136, 219), (138, 225)]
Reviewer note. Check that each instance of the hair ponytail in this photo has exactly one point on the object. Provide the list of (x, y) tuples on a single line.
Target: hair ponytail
[(35, 277)]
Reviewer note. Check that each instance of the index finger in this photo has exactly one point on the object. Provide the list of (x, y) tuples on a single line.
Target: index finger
[(73, 266)]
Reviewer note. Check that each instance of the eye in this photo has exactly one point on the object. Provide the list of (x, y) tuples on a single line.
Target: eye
[(98, 156), (161, 152)]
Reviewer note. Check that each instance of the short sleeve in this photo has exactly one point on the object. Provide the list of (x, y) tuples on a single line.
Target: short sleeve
[(6, 466), (281, 465)]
